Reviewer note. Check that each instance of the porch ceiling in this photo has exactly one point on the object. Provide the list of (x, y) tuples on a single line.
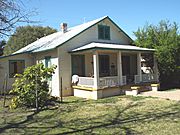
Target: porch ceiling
[(110, 46)]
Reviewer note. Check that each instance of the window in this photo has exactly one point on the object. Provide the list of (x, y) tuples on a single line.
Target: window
[(104, 69), (47, 61), (104, 32), (78, 65), (16, 67), (48, 64)]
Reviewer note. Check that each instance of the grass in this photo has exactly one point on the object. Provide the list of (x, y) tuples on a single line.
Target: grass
[(114, 115)]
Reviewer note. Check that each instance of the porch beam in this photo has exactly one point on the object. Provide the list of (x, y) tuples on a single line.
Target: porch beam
[(119, 67), (96, 69), (139, 72)]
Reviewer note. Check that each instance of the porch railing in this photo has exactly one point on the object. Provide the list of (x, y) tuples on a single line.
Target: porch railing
[(108, 81), (86, 81), (148, 77), (112, 81), (145, 78), (136, 79), (124, 80)]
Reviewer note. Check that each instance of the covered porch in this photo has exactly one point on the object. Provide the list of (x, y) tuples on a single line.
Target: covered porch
[(101, 66)]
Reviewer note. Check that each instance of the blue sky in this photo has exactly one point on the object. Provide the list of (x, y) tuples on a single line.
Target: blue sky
[(128, 14)]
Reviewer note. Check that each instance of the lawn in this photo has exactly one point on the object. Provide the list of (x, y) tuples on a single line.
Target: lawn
[(114, 115)]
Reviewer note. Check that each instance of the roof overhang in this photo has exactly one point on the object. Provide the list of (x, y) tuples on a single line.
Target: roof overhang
[(27, 52), (110, 46)]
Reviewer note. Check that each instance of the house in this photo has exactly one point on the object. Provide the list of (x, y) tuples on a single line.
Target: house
[(99, 52)]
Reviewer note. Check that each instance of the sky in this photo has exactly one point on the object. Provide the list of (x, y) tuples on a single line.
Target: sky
[(127, 14)]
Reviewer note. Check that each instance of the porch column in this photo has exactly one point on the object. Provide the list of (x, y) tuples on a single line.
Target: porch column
[(119, 67), (139, 72), (96, 69), (156, 73)]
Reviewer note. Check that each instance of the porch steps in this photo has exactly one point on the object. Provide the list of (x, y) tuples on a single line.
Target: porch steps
[(134, 89)]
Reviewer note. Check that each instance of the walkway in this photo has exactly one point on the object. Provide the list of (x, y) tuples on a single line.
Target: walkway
[(171, 94)]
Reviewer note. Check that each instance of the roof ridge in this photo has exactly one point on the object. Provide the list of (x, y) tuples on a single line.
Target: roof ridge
[(47, 42)]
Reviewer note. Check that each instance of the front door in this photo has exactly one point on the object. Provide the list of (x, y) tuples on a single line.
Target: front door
[(126, 65), (104, 69)]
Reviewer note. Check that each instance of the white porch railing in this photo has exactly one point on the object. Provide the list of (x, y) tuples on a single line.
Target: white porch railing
[(112, 81), (145, 78), (86, 81), (148, 77), (136, 79), (108, 81), (124, 80)]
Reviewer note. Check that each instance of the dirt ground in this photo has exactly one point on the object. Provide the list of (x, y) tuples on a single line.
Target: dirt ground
[(170, 94)]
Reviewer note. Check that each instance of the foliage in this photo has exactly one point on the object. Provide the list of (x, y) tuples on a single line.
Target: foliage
[(165, 39), (2, 44), (25, 35), (13, 12), (25, 86)]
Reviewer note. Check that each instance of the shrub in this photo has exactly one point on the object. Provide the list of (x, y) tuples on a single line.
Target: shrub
[(25, 86)]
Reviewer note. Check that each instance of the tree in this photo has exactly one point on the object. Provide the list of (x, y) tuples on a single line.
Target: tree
[(165, 39), (25, 35), (25, 86), (12, 12), (2, 44)]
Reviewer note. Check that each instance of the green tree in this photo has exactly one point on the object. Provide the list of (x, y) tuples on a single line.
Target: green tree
[(2, 44), (25, 35), (25, 86), (165, 39)]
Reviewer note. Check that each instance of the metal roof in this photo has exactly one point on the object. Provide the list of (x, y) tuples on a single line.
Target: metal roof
[(110, 46), (54, 40)]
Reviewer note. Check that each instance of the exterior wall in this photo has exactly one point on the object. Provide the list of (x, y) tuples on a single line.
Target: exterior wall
[(65, 71), (86, 94), (90, 35), (97, 94), (89, 60), (54, 83), (4, 64), (88, 64), (112, 92)]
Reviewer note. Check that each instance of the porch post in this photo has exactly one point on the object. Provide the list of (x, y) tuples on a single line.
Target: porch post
[(119, 66), (139, 72), (156, 73), (96, 69)]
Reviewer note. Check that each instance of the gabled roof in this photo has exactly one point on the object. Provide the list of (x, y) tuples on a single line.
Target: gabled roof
[(110, 46), (56, 39)]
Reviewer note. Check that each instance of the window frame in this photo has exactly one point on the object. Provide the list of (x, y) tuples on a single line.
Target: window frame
[(46, 60), (104, 30), (11, 75)]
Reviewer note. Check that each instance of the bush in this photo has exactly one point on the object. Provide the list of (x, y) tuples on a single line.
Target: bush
[(25, 86)]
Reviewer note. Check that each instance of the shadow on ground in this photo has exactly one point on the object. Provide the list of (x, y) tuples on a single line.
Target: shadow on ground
[(54, 121)]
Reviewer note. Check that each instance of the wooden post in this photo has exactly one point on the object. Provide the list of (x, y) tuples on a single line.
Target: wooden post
[(96, 69), (119, 66), (5, 89), (37, 108), (139, 72)]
